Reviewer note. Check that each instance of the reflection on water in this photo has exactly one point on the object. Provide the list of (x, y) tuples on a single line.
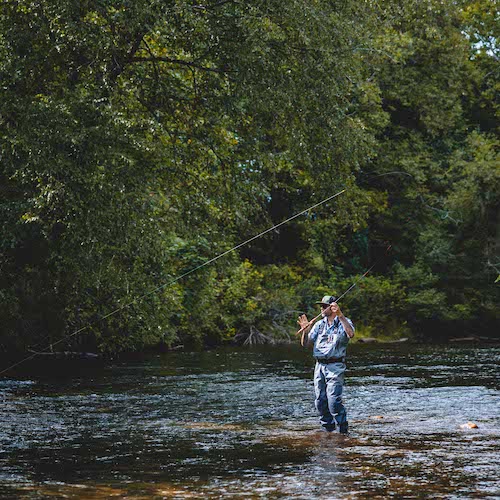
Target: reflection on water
[(235, 422)]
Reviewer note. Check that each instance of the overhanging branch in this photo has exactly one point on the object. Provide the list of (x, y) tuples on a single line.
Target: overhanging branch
[(181, 62)]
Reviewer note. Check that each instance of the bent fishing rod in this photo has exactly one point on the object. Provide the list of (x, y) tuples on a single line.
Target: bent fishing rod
[(312, 321)]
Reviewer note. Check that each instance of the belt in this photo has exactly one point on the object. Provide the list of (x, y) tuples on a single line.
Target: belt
[(327, 361)]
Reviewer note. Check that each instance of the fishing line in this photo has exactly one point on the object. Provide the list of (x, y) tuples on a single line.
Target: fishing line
[(174, 280)]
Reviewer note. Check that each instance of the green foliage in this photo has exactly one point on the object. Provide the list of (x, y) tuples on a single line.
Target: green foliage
[(435, 66), (265, 297), (378, 303), (139, 140)]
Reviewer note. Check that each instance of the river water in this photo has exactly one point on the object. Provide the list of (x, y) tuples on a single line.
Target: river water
[(241, 423)]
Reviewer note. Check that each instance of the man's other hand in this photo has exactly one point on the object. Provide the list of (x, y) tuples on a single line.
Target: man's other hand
[(303, 321)]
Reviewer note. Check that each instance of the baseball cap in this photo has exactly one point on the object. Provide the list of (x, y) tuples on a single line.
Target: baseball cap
[(327, 299)]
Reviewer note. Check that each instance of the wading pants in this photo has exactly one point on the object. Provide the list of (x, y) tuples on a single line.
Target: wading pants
[(328, 384)]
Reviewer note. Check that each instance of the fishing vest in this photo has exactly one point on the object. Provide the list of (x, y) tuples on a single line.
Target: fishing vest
[(321, 328)]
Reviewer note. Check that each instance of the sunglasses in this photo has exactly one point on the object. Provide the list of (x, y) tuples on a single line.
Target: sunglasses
[(324, 306)]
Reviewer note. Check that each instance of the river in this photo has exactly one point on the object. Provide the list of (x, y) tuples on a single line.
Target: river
[(241, 423)]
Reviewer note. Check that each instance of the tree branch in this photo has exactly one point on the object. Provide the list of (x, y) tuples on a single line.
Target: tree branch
[(213, 6), (178, 61)]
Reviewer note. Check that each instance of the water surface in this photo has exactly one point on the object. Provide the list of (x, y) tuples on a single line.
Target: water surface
[(235, 422)]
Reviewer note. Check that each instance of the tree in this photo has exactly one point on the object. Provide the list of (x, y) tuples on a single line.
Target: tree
[(139, 140)]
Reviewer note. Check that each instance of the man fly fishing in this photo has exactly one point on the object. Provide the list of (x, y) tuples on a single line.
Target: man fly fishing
[(329, 337)]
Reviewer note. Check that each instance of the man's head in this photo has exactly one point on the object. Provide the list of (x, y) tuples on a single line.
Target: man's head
[(325, 303)]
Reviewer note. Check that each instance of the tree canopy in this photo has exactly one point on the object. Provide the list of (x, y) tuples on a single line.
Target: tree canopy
[(139, 140)]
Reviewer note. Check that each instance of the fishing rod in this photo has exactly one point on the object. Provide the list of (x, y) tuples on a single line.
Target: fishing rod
[(312, 321), (165, 285)]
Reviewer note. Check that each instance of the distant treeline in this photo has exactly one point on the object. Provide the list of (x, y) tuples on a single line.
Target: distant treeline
[(140, 139)]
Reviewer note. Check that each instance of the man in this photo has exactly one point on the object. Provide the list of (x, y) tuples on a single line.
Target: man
[(330, 337)]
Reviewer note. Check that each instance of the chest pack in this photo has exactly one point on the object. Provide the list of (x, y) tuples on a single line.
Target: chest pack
[(322, 327)]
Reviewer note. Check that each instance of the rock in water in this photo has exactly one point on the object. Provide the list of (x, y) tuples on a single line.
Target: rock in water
[(469, 425)]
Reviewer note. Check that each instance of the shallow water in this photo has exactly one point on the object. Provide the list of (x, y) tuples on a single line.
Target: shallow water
[(241, 423)]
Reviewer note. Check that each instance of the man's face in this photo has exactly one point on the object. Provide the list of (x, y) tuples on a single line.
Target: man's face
[(326, 310)]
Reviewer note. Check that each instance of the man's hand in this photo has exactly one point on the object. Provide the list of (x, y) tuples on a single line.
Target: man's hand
[(336, 310), (303, 321), (347, 327), (305, 326)]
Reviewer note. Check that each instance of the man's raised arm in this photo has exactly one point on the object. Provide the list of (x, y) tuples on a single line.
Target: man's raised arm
[(347, 327)]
